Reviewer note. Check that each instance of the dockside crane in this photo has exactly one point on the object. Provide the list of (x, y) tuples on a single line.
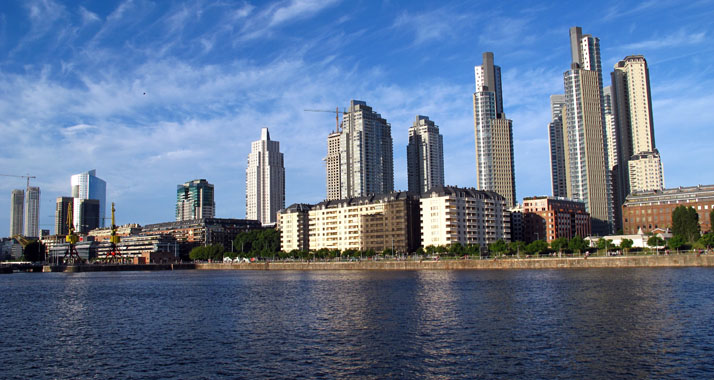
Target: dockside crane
[(71, 256), (337, 116), (114, 240)]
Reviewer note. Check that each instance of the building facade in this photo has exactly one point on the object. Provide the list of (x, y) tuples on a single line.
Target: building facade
[(635, 127), (550, 218), (649, 210), (493, 133), (17, 214), (556, 134), (376, 222), (62, 208), (584, 140), (265, 180), (364, 143), (425, 156), (468, 216), (32, 212), (195, 200), (88, 186), (204, 231), (294, 226)]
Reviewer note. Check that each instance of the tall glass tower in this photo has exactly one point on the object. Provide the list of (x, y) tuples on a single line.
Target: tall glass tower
[(88, 186), (194, 200)]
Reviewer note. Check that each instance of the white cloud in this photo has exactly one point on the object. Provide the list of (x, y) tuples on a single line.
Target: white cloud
[(679, 38)]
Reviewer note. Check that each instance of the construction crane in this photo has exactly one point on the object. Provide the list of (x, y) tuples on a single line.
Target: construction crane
[(337, 116), (114, 239), (21, 176), (72, 239)]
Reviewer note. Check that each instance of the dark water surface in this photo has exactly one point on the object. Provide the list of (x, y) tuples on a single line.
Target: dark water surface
[(593, 323)]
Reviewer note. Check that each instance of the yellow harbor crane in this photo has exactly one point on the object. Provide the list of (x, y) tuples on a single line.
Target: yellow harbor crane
[(72, 239), (114, 239)]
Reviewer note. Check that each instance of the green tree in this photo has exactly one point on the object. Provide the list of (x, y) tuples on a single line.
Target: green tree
[(626, 244), (457, 249), (537, 247), (473, 249), (655, 242), (498, 247), (685, 223), (676, 242), (198, 253), (707, 240), (559, 244), (602, 244), (420, 251), (578, 244), (516, 247)]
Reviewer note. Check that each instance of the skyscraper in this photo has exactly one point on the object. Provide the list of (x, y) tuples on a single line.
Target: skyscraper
[(639, 161), (194, 200), (363, 150), (265, 180), (425, 156), (587, 173), (87, 186), (558, 170), (61, 211), (493, 133), (17, 200), (32, 212)]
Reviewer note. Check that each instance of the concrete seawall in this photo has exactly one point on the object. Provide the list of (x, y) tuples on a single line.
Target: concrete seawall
[(690, 260), (115, 267)]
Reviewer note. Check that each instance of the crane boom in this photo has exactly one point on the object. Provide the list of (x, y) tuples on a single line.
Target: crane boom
[(20, 176), (337, 116)]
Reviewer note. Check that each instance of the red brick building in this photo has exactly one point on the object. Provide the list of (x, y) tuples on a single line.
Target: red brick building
[(653, 209), (550, 218)]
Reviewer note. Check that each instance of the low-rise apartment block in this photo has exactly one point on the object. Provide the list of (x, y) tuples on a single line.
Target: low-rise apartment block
[(550, 218), (375, 222), (293, 223), (468, 216)]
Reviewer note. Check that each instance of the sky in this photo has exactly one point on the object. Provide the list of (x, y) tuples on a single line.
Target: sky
[(153, 94)]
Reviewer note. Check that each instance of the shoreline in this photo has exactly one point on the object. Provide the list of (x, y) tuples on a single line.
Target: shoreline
[(685, 260), (649, 261)]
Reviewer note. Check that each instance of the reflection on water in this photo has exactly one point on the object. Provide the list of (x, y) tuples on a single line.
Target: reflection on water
[(599, 323)]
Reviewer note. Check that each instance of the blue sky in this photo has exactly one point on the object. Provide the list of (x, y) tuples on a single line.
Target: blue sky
[(156, 93)]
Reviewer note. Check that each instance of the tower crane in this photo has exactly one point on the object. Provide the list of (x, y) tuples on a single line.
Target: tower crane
[(21, 176), (337, 116)]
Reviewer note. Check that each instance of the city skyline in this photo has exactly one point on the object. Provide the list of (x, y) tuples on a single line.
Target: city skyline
[(155, 120)]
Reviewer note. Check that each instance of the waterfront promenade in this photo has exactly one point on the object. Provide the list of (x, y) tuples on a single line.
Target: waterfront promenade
[(674, 260)]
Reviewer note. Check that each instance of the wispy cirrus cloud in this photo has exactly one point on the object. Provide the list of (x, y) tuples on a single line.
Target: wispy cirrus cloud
[(432, 26), (679, 38)]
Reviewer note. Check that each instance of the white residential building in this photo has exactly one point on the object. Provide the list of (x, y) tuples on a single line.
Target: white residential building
[(265, 180), (493, 133), (468, 216), (32, 212), (359, 158)]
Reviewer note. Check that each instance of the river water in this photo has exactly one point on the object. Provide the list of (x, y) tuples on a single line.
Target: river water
[(590, 323)]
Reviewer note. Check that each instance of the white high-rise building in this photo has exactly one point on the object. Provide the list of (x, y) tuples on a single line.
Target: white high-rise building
[(635, 126), (32, 212), (493, 133), (265, 180), (86, 186), (558, 171), (359, 155), (588, 176), (425, 156), (17, 203)]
